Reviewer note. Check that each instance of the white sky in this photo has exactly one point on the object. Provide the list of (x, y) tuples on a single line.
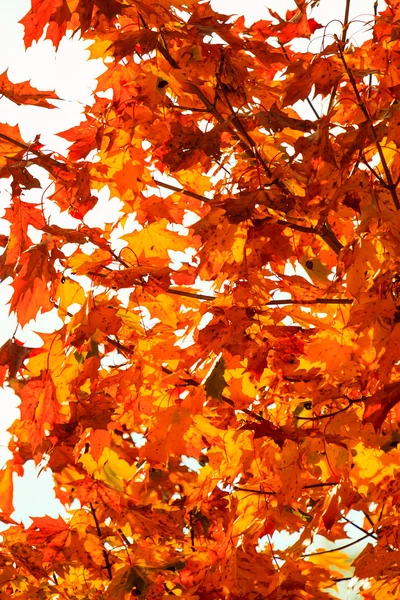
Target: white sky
[(73, 79)]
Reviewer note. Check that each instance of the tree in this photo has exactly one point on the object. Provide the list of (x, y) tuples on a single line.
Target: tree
[(198, 394)]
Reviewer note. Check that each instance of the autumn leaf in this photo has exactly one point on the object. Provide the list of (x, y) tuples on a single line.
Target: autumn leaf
[(24, 93), (379, 404), (31, 292), (156, 242), (215, 382)]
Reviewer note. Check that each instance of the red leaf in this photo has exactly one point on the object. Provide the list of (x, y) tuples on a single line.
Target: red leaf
[(379, 404)]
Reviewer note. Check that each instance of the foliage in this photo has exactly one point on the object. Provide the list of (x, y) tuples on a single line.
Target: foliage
[(241, 310)]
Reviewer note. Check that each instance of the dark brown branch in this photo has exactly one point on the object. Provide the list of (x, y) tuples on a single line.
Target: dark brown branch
[(119, 346), (324, 231), (253, 491), (370, 521), (105, 553), (246, 411), (191, 295), (302, 228), (311, 105), (20, 144), (310, 302), (270, 493), (372, 534), (173, 188), (320, 484), (336, 549), (124, 538), (366, 163), (270, 303)]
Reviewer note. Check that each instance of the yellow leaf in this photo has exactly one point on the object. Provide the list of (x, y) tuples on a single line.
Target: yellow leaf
[(155, 241)]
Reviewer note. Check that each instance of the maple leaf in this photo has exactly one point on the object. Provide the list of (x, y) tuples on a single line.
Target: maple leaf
[(83, 137), (31, 291), (24, 93), (39, 407), (155, 242), (52, 13)]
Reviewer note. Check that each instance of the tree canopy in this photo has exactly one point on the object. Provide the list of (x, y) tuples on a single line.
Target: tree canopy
[(224, 361)]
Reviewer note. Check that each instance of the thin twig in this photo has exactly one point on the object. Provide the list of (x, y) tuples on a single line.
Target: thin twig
[(374, 39), (343, 40), (270, 303), (372, 534), (270, 493), (311, 105), (326, 416), (105, 553), (310, 302), (173, 188), (390, 185)]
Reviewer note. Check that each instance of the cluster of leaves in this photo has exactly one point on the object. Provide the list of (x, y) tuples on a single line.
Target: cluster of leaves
[(183, 331)]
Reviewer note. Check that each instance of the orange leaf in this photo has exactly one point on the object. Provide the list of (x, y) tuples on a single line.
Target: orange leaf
[(24, 93)]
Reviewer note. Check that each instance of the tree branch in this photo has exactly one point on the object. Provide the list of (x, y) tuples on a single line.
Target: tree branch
[(324, 231), (270, 303), (270, 493), (338, 548), (310, 302), (389, 185), (173, 188)]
